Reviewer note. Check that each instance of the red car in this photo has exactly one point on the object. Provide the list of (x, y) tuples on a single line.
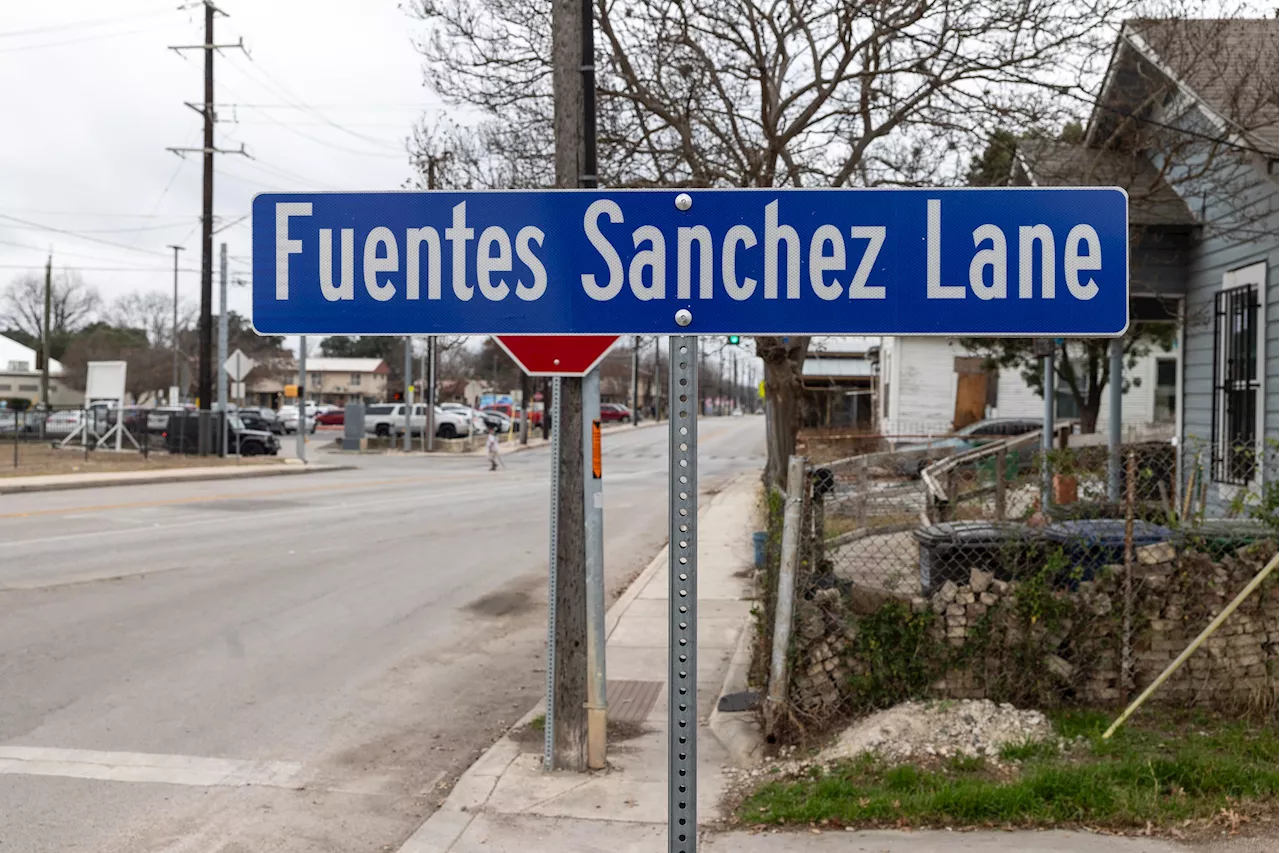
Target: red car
[(334, 418), (614, 413)]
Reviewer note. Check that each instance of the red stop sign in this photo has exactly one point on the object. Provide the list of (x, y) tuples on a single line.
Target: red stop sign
[(556, 355)]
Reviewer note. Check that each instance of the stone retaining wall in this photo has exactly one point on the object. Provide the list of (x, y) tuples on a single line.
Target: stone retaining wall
[(1048, 642)]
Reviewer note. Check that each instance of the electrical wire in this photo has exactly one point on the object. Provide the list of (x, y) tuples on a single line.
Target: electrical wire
[(80, 25), (81, 40), (78, 235), (319, 141), (169, 226), (289, 97)]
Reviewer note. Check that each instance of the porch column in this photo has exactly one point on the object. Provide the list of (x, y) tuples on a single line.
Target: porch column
[(1113, 420)]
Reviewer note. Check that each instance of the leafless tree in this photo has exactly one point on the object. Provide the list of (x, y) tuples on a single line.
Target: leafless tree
[(73, 303), (765, 93), (151, 311)]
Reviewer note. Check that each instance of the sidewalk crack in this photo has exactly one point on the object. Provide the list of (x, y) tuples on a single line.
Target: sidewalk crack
[(554, 796)]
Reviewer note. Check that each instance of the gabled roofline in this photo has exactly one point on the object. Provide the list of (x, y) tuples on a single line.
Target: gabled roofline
[(1107, 80), (1235, 134)]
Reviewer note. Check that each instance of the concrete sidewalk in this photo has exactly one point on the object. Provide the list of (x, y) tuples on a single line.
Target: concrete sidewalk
[(93, 480), (505, 802)]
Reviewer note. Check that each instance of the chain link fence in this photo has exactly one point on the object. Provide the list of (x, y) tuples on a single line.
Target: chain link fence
[(1041, 578), (67, 439)]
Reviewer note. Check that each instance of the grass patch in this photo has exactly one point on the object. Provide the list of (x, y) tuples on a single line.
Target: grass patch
[(538, 723), (1158, 773), (1029, 750)]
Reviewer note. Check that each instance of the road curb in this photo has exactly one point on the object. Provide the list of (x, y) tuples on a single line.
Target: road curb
[(157, 479), (738, 731)]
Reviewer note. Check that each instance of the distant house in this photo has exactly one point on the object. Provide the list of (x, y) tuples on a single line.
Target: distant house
[(1187, 123), (338, 381), (837, 390), (20, 378), (929, 386)]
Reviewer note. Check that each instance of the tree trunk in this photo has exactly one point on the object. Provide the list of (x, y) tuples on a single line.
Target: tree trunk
[(783, 360), (570, 735)]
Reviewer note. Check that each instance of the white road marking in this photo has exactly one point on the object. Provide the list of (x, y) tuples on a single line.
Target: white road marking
[(147, 767)]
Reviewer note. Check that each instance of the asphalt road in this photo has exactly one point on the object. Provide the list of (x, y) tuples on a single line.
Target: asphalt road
[(288, 664)]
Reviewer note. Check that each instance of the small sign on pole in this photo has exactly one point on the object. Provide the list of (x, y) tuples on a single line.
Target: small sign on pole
[(238, 366)]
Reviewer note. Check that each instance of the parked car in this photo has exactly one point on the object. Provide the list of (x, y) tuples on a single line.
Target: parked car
[(268, 416), (183, 435), (333, 417), (615, 413), (497, 421), (515, 413), (380, 418), (158, 418), (289, 419), (449, 424), (478, 422), (254, 419), (914, 458)]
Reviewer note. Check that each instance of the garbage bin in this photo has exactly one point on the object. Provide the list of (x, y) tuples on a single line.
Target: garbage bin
[(759, 540), (949, 551), (1090, 544)]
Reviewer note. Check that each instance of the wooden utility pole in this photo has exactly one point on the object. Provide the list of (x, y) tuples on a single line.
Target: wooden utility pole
[(46, 335), (569, 744), (204, 385)]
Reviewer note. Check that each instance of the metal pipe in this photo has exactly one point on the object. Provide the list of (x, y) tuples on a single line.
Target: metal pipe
[(1113, 420), (1195, 644), (222, 350), (431, 394), (302, 398), (408, 394), (1046, 437), (783, 609), (593, 500)]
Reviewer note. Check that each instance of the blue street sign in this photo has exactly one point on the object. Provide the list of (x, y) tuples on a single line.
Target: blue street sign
[(1006, 262)]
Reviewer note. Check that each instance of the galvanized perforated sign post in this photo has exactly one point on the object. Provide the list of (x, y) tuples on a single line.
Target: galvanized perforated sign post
[(682, 587), (549, 720)]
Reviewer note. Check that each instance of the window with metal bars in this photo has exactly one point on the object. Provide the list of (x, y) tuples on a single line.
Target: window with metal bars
[(1235, 385)]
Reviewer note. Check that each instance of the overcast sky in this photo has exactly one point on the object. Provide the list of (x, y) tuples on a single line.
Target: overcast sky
[(93, 95)]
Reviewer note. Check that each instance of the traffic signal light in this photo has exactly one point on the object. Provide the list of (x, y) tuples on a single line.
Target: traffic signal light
[(734, 339)]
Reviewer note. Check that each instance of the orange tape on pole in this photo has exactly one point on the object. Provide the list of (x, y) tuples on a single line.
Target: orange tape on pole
[(595, 449)]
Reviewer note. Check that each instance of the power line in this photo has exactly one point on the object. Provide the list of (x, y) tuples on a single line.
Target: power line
[(168, 226), (90, 24), (78, 235), (80, 40), (335, 146), (290, 97), (95, 269)]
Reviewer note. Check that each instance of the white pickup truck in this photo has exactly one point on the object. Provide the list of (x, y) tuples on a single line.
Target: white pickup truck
[(387, 419)]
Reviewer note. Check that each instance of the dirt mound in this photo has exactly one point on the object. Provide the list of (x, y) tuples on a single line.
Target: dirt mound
[(976, 728)]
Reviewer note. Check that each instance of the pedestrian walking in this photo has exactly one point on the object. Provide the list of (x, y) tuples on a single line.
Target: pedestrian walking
[(491, 445)]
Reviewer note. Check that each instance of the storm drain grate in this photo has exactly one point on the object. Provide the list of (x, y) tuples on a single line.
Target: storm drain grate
[(631, 701)]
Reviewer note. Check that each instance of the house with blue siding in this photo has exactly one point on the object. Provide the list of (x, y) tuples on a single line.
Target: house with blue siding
[(1186, 122)]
